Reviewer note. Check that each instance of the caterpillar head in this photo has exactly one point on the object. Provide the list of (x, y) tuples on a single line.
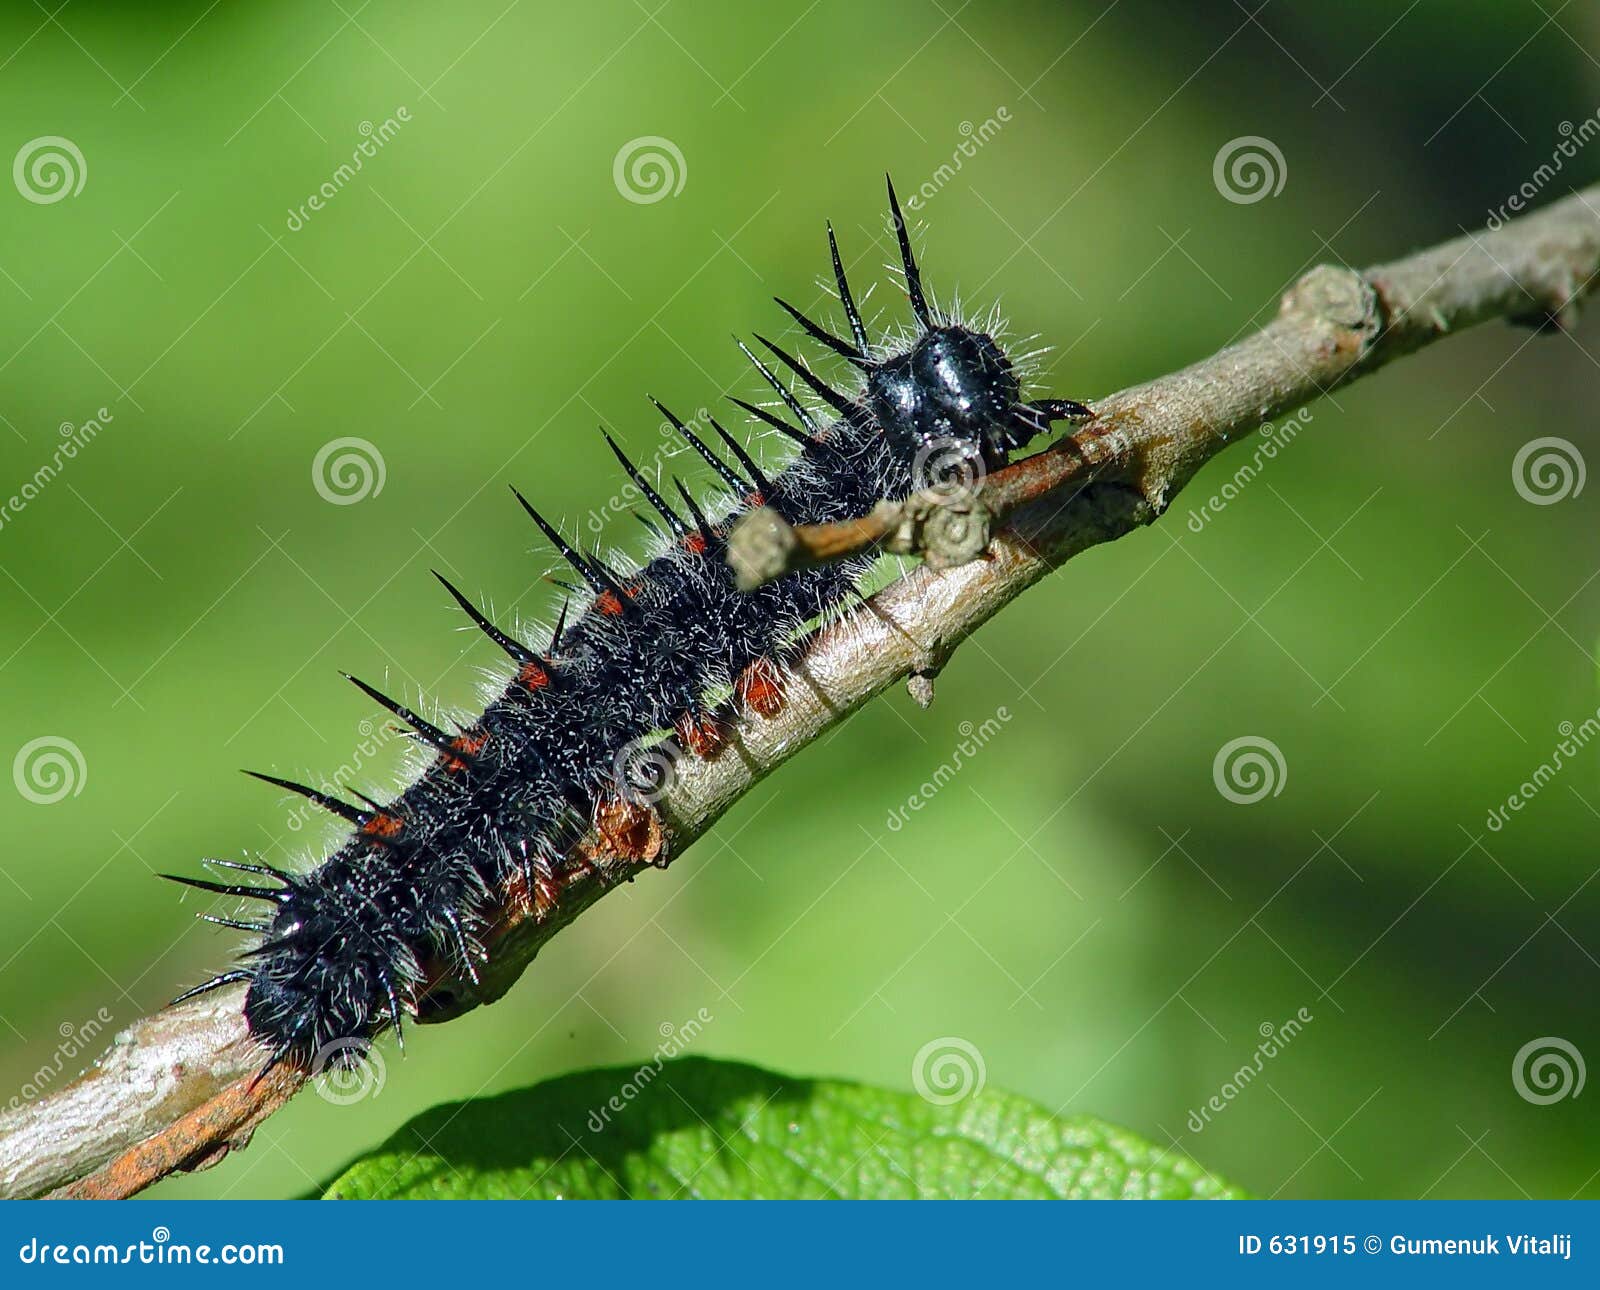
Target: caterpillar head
[(951, 385)]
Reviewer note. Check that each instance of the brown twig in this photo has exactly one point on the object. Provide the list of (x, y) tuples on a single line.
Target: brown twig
[(947, 525), (168, 1095), (198, 1140)]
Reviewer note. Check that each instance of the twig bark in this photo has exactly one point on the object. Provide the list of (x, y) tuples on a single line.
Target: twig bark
[(946, 526), (175, 1092)]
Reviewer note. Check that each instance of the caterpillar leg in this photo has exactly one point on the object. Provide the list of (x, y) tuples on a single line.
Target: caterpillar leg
[(1029, 420), (532, 885), (1062, 409)]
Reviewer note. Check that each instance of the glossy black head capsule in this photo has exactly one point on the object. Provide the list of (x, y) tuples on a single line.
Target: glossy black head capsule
[(953, 384)]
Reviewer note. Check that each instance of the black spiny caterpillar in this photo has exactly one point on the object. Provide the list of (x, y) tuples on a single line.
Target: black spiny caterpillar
[(498, 808)]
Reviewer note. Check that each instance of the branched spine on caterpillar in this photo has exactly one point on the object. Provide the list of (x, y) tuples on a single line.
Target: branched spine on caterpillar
[(342, 946)]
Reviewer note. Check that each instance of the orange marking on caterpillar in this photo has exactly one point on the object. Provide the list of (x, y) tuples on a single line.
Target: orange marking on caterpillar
[(608, 604), (533, 677), (760, 688), (382, 825), (629, 831), (704, 738), (467, 746), (694, 543)]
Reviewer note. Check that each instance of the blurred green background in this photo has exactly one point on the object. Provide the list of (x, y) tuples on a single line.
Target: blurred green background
[(1080, 903)]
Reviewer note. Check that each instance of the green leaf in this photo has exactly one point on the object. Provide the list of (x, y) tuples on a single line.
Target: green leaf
[(699, 1128)]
